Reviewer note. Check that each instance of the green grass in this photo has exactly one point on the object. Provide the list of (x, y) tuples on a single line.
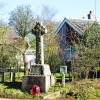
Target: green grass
[(59, 74), (68, 77), (83, 88), (19, 74), (7, 78), (13, 90)]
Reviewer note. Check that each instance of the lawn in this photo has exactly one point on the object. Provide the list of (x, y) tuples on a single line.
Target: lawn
[(68, 77), (83, 89)]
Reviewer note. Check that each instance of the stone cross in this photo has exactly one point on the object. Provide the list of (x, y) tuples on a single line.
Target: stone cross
[(38, 31)]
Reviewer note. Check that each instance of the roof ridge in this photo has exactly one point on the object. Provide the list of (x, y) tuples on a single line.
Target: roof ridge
[(76, 26), (89, 20)]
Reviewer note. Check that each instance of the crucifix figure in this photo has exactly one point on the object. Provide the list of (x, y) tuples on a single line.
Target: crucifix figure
[(38, 31)]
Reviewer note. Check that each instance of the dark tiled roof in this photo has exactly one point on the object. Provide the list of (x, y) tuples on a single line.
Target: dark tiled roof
[(12, 34), (78, 25), (82, 24)]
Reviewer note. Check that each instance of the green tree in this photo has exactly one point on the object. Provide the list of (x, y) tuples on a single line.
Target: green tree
[(8, 56), (3, 34), (7, 51), (22, 20), (88, 51)]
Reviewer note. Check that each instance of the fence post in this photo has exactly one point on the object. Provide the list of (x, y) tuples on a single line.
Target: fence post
[(13, 77), (2, 76), (63, 79)]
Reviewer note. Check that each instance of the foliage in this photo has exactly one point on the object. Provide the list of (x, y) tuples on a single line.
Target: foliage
[(13, 91), (3, 34), (68, 77), (7, 51), (97, 94), (53, 54), (8, 56), (88, 51), (22, 20), (83, 89), (33, 44)]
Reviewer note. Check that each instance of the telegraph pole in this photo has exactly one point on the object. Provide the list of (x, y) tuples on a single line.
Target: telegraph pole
[(95, 10)]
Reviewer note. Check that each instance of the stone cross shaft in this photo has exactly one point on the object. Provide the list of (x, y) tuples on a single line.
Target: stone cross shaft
[(38, 31)]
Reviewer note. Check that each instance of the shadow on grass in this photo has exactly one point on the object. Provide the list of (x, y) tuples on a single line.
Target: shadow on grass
[(14, 85)]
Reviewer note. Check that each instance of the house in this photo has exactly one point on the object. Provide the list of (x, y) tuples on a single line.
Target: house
[(12, 36), (69, 30)]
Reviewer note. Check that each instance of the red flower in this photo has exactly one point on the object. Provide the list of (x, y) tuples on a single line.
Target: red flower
[(35, 89)]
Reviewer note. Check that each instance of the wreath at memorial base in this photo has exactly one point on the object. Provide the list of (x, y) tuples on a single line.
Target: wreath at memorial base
[(35, 89)]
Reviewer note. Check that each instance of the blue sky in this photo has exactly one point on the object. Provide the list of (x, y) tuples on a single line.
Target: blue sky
[(65, 8)]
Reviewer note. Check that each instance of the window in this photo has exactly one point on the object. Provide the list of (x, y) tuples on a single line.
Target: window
[(69, 51)]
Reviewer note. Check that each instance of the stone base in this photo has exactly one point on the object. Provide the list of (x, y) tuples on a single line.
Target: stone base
[(40, 69), (44, 82)]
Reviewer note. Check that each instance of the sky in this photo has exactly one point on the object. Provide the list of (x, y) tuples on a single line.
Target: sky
[(76, 9)]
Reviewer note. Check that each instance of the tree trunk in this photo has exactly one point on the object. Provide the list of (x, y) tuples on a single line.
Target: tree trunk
[(25, 59), (25, 64), (87, 73)]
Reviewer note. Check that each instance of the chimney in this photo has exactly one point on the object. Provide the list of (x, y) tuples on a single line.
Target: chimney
[(91, 16)]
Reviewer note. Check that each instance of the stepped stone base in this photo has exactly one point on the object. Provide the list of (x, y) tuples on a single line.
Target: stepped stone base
[(43, 81)]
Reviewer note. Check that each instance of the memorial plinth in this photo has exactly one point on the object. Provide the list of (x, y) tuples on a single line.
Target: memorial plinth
[(43, 81), (39, 75)]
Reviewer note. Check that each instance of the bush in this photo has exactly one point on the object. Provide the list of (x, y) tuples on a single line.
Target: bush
[(97, 94)]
